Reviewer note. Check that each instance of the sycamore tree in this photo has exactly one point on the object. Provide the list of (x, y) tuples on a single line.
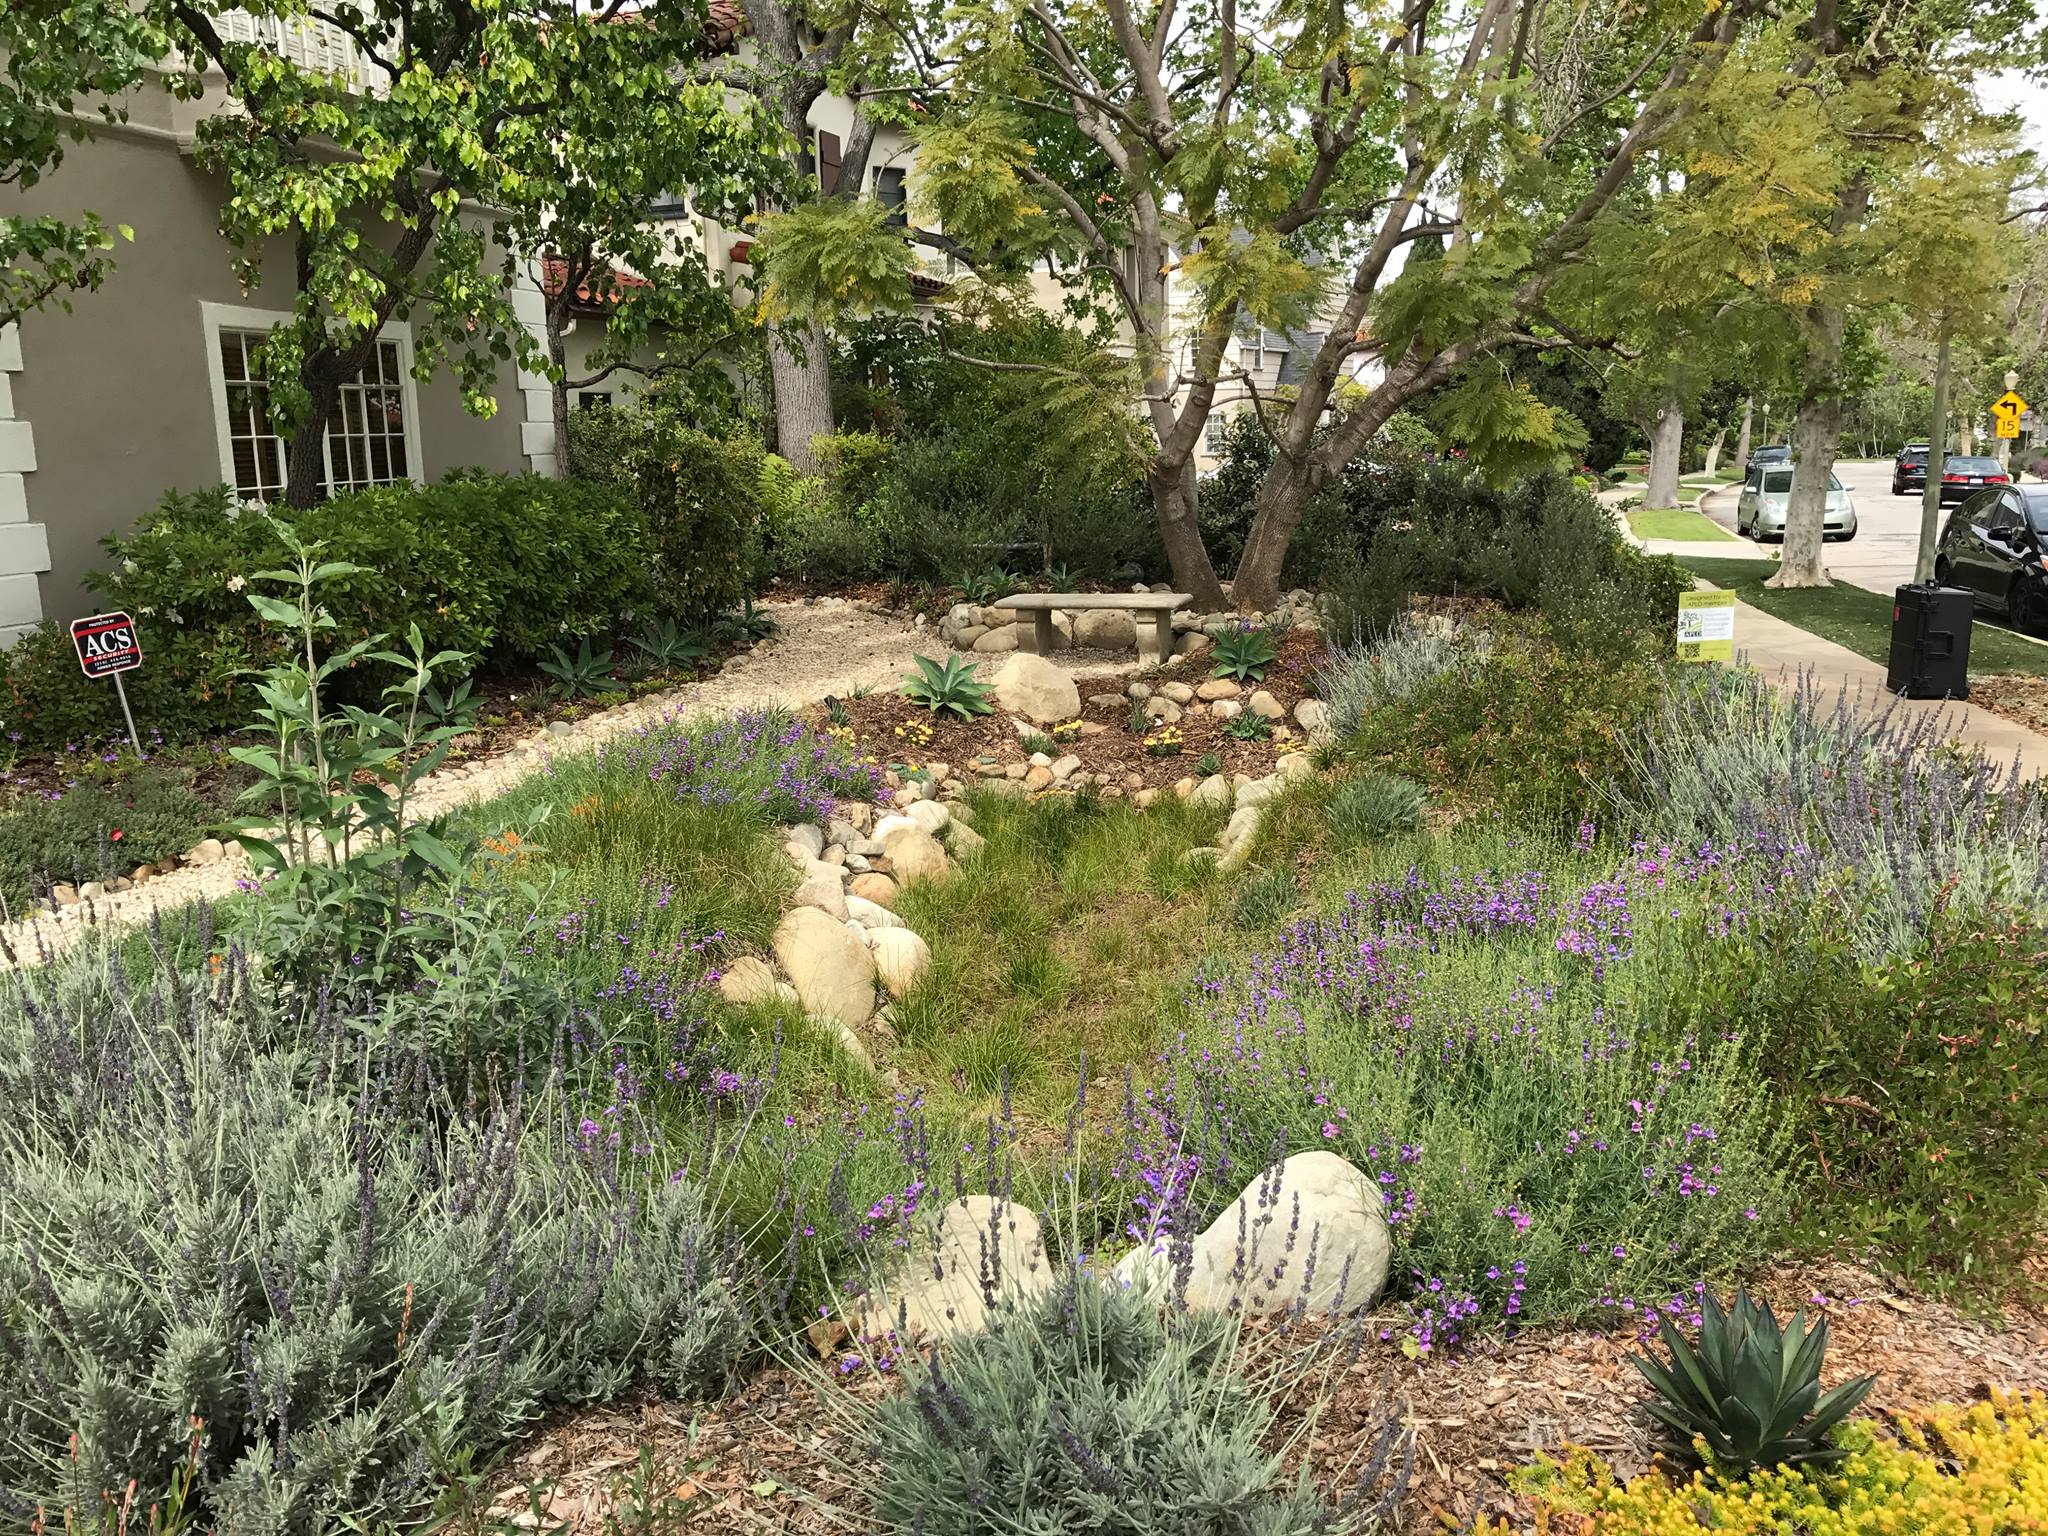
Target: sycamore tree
[(63, 65), (1195, 168), (382, 181), (585, 188), (1841, 170)]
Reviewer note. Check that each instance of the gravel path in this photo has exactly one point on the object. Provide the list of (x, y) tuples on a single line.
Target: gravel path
[(823, 645)]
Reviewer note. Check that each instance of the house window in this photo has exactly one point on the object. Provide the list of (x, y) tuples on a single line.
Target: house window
[(889, 191), (829, 159), (1212, 434), (372, 434)]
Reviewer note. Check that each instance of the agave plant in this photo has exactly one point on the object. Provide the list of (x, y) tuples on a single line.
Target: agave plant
[(1244, 654), (948, 685), (1749, 1391)]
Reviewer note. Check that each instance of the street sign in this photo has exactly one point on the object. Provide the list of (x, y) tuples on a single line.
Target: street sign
[(2008, 404), (1706, 625), (107, 646), (2006, 424), (106, 643)]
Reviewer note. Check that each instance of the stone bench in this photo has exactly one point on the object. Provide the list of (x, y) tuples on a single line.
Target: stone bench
[(1158, 606)]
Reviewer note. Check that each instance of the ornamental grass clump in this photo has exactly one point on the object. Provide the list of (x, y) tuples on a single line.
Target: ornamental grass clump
[(1094, 1409), (1377, 671), (345, 1276)]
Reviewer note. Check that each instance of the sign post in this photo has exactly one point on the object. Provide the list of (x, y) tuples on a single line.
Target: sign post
[(107, 646), (1706, 625)]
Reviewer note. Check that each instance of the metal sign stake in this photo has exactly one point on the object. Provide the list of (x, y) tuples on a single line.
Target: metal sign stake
[(127, 714)]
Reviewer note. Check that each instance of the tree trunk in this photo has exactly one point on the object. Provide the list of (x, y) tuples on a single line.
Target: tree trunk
[(799, 373), (1966, 437), (1283, 496), (1742, 440), (558, 354), (1814, 431), (305, 453), (1714, 451), (1176, 503), (1667, 436)]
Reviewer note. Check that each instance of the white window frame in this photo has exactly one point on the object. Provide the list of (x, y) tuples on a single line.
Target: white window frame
[(215, 318)]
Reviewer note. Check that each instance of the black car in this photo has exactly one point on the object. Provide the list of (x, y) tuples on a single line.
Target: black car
[(1962, 478), (1772, 453), (1909, 469), (1996, 546)]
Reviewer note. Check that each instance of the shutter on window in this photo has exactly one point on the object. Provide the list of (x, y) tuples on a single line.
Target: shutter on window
[(828, 162)]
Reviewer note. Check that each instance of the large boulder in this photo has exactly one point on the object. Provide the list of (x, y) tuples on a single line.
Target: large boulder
[(914, 855), (1031, 686), (1312, 1230), (994, 642), (901, 958), (980, 1250), (930, 815), (832, 971), (1105, 629)]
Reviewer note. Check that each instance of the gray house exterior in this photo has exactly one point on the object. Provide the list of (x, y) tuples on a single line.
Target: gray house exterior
[(141, 388)]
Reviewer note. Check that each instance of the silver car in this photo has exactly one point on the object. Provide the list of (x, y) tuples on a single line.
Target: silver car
[(1760, 511)]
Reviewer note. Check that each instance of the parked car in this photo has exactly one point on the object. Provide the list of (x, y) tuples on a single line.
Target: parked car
[(1963, 477), (1770, 453), (1909, 469), (1996, 545), (1760, 509)]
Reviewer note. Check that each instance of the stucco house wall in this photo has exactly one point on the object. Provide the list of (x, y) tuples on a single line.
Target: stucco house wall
[(105, 408)]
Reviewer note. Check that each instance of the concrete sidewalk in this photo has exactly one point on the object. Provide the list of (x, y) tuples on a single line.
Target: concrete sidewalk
[(1783, 651)]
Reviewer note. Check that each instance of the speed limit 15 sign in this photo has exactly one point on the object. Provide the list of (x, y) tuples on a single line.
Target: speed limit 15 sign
[(106, 643)]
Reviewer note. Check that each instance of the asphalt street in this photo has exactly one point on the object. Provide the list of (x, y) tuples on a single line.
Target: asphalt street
[(1880, 557)]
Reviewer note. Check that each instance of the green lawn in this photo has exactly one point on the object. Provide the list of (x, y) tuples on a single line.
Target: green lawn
[(1862, 620), (1676, 523)]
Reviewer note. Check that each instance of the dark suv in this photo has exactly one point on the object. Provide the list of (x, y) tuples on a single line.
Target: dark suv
[(1909, 469)]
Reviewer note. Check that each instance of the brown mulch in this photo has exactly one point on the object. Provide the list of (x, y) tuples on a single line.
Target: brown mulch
[(1107, 744), (773, 1456), (2017, 697)]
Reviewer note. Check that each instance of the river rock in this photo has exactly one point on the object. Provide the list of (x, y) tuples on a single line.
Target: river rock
[(978, 1248), (1336, 1215), (873, 887), (832, 971), (1031, 686), (901, 958), (749, 979), (1105, 629), (914, 855)]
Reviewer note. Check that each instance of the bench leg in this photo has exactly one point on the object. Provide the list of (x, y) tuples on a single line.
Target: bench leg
[(1041, 631), (1162, 637)]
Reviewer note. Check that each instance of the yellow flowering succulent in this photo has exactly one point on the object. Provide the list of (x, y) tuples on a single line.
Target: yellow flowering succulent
[(1981, 1471), (1065, 731)]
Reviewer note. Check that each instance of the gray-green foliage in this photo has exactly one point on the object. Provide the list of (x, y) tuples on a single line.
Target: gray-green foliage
[(1091, 1409), (1374, 805), (350, 1275), (1372, 671)]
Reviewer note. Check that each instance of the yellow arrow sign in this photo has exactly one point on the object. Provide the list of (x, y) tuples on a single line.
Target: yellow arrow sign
[(2008, 404)]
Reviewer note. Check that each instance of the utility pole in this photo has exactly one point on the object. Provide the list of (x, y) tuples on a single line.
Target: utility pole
[(1937, 460)]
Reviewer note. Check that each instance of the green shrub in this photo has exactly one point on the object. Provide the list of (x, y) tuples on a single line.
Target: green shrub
[(1915, 1083), (499, 567), (1090, 1409), (98, 830), (344, 1280), (698, 496), (1531, 729), (1373, 805), (1544, 544)]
